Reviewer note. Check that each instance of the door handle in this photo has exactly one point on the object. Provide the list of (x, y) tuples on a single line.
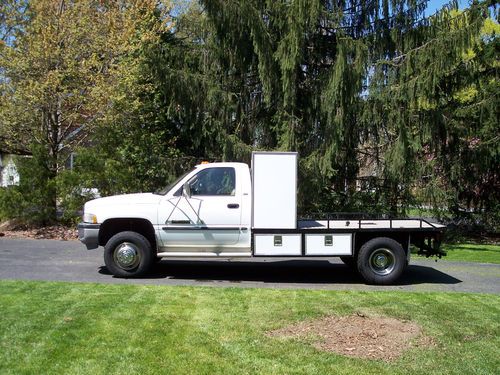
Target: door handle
[(233, 205), (179, 222)]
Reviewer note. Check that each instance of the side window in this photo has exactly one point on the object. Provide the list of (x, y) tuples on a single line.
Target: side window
[(213, 181)]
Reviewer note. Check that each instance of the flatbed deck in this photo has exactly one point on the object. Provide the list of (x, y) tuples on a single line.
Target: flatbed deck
[(369, 224)]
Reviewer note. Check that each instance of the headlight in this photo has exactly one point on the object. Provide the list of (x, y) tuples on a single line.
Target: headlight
[(89, 218)]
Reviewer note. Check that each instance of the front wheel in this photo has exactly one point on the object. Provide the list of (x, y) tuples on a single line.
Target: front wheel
[(128, 254), (381, 261)]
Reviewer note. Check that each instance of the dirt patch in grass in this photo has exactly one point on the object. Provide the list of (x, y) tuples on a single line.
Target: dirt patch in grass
[(358, 335), (12, 229)]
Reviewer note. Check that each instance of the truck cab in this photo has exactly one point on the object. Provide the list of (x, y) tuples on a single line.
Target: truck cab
[(207, 212)]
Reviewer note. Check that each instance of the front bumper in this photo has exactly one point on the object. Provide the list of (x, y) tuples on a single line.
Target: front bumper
[(88, 234)]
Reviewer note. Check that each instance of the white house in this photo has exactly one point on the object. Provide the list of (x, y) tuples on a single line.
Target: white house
[(8, 170)]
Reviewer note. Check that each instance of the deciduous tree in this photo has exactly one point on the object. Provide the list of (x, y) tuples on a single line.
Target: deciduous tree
[(63, 68)]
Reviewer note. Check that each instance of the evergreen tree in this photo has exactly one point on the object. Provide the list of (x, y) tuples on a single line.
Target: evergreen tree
[(328, 78)]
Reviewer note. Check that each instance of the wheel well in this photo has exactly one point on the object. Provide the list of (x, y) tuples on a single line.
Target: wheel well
[(111, 227), (362, 238)]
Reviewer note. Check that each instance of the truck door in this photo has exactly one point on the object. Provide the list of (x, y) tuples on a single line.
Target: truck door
[(205, 219)]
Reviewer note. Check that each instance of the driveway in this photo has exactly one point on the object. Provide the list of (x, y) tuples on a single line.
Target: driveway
[(28, 259)]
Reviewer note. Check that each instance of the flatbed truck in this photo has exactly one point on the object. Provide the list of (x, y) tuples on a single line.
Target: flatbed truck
[(228, 210)]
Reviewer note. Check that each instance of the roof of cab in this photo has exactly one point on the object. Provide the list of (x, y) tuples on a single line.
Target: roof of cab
[(221, 164)]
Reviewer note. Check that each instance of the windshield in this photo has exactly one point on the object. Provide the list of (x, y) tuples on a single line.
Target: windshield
[(166, 189)]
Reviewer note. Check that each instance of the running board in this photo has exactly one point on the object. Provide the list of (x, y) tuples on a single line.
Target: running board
[(202, 255)]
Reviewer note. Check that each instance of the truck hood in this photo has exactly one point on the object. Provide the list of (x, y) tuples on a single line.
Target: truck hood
[(123, 200)]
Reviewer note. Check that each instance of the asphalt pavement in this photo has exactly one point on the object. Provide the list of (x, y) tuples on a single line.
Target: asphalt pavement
[(27, 259)]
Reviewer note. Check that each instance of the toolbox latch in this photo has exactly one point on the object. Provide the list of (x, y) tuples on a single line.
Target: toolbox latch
[(329, 240), (278, 240)]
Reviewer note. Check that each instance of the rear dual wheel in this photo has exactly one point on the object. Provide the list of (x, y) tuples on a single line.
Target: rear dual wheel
[(381, 261)]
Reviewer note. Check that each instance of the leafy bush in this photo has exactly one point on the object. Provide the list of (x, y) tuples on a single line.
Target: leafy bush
[(11, 203), (34, 200), (72, 195)]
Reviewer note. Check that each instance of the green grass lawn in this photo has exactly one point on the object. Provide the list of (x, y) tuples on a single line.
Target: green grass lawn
[(472, 253), (74, 328), (420, 212)]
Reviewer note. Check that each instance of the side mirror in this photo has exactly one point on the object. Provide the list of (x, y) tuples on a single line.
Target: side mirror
[(186, 190)]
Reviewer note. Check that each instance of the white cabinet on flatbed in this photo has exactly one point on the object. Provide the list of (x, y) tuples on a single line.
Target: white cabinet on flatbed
[(226, 210)]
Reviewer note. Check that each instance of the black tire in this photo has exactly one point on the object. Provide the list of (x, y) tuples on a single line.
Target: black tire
[(128, 254), (381, 261), (349, 261)]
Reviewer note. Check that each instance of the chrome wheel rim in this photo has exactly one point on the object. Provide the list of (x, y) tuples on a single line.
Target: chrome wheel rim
[(382, 261), (127, 256)]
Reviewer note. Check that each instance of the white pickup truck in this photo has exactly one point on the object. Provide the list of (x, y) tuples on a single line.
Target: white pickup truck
[(226, 210)]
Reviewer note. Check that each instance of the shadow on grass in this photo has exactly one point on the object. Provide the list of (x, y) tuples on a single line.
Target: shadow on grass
[(282, 272), (469, 248)]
